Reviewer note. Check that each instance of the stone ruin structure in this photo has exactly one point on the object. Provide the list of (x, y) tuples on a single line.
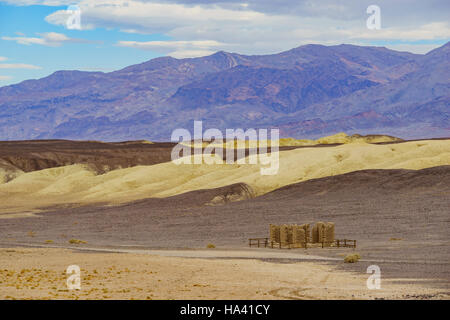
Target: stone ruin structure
[(298, 236)]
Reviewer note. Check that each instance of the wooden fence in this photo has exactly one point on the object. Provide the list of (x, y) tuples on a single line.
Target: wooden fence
[(265, 243)]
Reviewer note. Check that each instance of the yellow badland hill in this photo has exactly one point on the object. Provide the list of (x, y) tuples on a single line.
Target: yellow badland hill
[(339, 138), (78, 184)]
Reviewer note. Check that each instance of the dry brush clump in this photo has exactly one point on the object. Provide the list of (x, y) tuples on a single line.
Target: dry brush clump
[(77, 241), (352, 258)]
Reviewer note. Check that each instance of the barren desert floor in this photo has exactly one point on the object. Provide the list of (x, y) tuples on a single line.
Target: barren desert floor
[(41, 274), (391, 198)]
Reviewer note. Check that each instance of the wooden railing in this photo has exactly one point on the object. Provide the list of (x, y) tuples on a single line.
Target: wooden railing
[(264, 243), (258, 242), (346, 243)]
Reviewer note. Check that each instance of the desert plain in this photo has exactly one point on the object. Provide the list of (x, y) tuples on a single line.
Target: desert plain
[(139, 226)]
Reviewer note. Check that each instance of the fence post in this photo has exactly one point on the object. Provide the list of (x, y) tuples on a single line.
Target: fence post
[(306, 238)]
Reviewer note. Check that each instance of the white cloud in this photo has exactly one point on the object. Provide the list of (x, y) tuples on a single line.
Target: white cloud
[(181, 54), (150, 16), (50, 39), (250, 29), (254, 26), (416, 48), (176, 49), (39, 2), (411, 12), (18, 66), (14, 66), (430, 31)]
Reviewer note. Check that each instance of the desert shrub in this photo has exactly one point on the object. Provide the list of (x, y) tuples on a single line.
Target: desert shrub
[(76, 241), (352, 258), (48, 241), (210, 246)]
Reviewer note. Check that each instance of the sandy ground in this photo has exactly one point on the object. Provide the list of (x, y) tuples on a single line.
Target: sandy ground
[(399, 217), (41, 274)]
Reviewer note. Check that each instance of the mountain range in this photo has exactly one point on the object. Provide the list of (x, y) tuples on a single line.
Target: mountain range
[(307, 92)]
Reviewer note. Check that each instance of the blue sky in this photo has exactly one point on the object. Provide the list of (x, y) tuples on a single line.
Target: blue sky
[(35, 42), (98, 53)]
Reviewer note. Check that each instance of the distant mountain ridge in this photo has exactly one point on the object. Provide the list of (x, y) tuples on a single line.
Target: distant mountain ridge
[(307, 92)]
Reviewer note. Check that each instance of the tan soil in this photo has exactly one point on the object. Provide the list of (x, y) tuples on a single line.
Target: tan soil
[(41, 274)]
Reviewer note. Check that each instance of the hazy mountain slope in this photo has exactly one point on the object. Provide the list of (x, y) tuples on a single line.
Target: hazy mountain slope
[(419, 99), (308, 91)]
